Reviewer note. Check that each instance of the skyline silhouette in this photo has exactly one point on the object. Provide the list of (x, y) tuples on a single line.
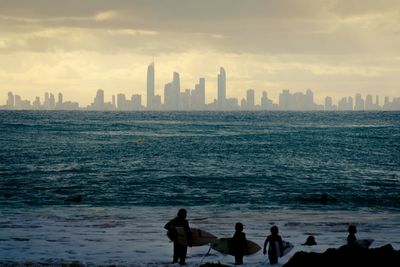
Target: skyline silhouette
[(176, 99)]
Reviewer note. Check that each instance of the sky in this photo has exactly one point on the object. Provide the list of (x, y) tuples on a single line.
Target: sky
[(333, 47)]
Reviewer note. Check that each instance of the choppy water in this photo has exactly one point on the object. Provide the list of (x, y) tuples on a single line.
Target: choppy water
[(134, 170)]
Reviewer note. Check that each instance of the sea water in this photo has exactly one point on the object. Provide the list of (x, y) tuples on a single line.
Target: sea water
[(134, 170)]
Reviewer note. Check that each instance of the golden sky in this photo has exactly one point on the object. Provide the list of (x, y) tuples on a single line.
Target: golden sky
[(334, 47)]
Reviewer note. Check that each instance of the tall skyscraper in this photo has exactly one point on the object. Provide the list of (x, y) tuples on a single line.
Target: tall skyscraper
[(221, 89), (60, 101), (10, 100), (150, 86), (52, 102), (250, 99)]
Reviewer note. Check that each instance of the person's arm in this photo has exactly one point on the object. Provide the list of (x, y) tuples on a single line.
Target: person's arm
[(170, 225), (265, 246)]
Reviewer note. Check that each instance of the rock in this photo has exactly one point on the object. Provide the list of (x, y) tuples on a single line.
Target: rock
[(384, 256)]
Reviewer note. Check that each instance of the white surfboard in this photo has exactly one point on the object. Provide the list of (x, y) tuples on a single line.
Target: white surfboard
[(287, 247)]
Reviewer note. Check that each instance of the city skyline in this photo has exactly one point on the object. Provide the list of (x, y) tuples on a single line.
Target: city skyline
[(175, 99), (335, 47)]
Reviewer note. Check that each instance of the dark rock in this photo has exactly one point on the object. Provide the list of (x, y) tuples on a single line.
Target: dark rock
[(384, 256)]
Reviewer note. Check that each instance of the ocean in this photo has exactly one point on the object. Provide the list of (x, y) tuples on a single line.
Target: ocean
[(133, 170)]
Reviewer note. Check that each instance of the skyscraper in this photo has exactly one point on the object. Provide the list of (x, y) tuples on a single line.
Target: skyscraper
[(172, 93), (150, 86), (250, 99), (10, 100), (198, 97), (221, 89)]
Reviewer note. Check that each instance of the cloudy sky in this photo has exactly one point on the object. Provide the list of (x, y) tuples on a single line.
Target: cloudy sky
[(333, 47)]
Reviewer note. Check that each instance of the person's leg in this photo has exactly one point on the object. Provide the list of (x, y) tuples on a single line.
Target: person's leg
[(182, 254), (238, 259), (176, 253)]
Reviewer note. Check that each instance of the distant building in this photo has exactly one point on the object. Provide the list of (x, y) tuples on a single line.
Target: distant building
[(250, 99), (172, 93), (198, 96), (221, 89), (266, 103), (10, 100), (136, 102), (329, 104), (150, 86), (359, 102)]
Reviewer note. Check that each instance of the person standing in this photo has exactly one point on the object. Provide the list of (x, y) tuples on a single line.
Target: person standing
[(275, 249), (239, 243), (180, 250), (351, 238)]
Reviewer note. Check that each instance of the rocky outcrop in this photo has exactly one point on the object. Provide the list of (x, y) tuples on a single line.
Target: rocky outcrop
[(384, 256)]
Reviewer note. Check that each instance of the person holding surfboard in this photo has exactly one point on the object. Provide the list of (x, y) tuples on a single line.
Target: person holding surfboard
[(239, 244), (275, 249), (180, 250)]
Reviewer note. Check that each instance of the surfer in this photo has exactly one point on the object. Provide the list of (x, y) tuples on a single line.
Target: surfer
[(239, 243), (180, 250), (275, 249)]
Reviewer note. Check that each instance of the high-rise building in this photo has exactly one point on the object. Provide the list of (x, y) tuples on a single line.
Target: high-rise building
[(172, 93), (184, 100), (150, 86), (10, 100), (98, 103), (285, 100), (136, 102), (121, 102), (265, 102), (36, 103), (328, 103), (60, 101), (221, 89), (198, 96), (359, 102), (52, 102), (250, 99), (369, 105)]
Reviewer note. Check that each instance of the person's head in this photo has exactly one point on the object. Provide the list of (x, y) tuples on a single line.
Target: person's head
[(352, 229), (182, 214), (274, 230), (238, 227), (310, 241)]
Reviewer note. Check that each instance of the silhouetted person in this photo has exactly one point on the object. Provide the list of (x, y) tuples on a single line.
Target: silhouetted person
[(275, 249), (239, 243), (179, 249), (310, 241), (351, 238)]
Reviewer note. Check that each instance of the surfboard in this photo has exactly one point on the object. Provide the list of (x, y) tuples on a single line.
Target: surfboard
[(223, 245), (287, 247), (364, 243), (199, 237)]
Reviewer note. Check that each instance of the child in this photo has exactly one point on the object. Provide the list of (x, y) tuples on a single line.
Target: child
[(351, 238), (275, 249), (239, 243)]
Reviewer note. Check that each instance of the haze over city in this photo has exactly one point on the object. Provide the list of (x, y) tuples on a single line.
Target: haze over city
[(334, 48)]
